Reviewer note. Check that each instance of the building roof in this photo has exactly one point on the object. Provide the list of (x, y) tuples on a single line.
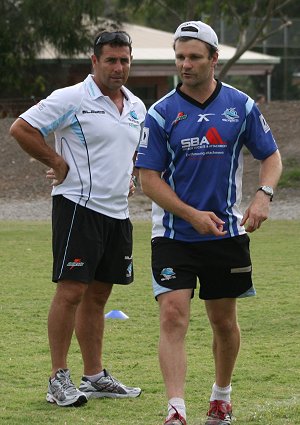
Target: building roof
[(145, 41), (154, 48)]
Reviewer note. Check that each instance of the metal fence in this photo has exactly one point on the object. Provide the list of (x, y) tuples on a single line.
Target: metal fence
[(288, 37)]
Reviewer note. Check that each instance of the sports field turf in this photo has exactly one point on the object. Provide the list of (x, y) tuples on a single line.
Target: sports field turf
[(266, 384)]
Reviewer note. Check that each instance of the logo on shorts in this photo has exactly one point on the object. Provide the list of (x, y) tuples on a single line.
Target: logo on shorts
[(167, 274), (129, 270), (75, 263)]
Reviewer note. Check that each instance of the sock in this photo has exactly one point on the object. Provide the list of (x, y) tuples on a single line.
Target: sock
[(221, 393), (179, 405), (95, 378)]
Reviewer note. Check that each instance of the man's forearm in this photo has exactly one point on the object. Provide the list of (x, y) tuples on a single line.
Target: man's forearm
[(33, 143), (270, 170)]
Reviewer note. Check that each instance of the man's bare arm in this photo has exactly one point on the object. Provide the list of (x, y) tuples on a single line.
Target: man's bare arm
[(32, 142), (259, 208), (205, 222)]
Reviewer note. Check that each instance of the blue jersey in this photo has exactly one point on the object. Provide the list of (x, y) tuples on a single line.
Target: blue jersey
[(198, 148)]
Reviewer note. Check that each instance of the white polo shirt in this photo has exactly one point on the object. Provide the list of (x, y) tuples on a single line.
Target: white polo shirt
[(96, 141)]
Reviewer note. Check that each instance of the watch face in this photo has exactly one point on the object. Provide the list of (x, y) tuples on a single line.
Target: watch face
[(268, 190)]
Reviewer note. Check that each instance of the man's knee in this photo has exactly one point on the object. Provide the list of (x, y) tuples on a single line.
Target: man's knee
[(173, 317), (70, 292), (223, 324)]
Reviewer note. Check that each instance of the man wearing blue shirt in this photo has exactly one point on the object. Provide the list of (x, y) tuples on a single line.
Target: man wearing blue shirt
[(191, 163)]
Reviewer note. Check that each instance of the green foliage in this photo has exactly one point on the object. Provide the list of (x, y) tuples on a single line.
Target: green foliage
[(64, 27), (243, 83), (291, 173), (167, 14), (26, 24), (282, 77), (265, 384)]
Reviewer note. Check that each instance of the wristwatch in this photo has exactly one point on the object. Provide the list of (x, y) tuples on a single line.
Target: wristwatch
[(268, 190)]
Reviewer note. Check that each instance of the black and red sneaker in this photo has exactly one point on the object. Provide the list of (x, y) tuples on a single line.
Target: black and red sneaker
[(220, 413)]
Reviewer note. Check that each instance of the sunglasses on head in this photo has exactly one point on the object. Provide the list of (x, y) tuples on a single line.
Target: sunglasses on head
[(108, 37)]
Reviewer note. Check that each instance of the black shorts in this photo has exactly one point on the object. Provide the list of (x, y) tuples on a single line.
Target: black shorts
[(90, 246), (223, 267)]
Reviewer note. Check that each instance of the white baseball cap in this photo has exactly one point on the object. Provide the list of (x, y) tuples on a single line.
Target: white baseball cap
[(198, 30)]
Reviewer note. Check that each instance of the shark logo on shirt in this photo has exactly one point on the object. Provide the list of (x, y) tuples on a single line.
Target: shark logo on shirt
[(230, 115)]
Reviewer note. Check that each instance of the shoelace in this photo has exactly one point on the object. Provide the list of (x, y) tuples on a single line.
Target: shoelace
[(177, 414), (113, 383), (218, 411), (65, 382)]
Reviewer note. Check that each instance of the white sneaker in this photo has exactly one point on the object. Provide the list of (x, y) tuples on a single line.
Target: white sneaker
[(107, 386), (63, 392)]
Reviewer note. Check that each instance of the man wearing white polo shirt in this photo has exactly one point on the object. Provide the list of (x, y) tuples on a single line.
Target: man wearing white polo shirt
[(97, 126)]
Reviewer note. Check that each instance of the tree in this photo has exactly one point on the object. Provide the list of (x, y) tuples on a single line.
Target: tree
[(163, 14), (251, 17), (25, 25), (252, 20)]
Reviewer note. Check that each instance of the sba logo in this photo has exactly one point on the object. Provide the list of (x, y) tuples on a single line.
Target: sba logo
[(212, 138)]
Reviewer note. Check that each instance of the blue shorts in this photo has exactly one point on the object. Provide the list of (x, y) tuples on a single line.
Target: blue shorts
[(223, 267), (90, 246)]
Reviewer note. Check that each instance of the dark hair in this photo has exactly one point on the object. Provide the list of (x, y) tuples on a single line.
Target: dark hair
[(113, 38), (211, 49)]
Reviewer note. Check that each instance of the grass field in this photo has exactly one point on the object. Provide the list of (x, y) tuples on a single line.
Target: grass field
[(266, 384)]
